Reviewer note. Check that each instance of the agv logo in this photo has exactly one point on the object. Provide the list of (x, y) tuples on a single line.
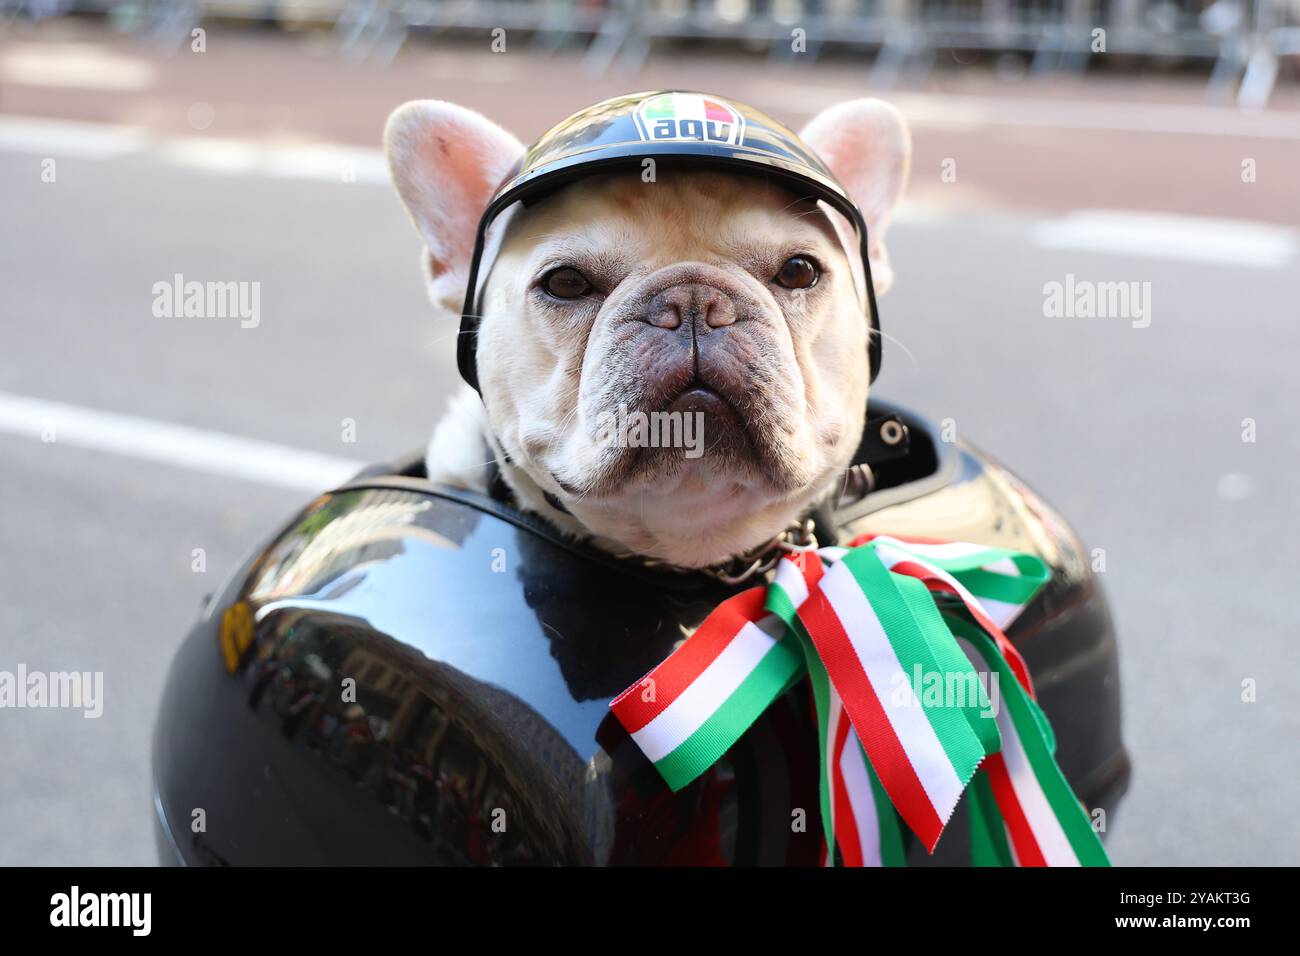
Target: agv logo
[(688, 116)]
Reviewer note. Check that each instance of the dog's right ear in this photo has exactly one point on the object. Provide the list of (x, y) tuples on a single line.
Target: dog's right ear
[(867, 146), (446, 162)]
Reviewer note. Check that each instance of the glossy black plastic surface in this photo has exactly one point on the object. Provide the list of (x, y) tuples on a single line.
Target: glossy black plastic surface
[(484, 653)]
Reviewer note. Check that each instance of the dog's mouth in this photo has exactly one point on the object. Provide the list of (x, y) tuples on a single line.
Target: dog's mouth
[(707, 403), (695, 424)]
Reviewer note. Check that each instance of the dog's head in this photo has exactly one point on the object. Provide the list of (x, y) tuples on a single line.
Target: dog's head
[(681, 362)]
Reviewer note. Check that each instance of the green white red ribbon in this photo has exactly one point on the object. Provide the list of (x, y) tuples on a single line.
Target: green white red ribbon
[(858, 622)]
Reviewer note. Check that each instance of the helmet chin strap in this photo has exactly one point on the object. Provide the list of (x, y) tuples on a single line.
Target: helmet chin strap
[(491, 249), (492, 243), (851, 252)]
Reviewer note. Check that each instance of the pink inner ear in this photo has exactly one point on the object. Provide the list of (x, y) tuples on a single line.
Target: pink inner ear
[(465, 176), (447, 161), (476, 168), (866, 146)]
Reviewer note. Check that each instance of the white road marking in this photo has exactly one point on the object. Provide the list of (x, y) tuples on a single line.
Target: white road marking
[(1230, 242), (180, 446), (325, 162), (60, 138)]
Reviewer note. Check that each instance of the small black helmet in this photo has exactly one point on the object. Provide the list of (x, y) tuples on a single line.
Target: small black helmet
[(689, 129)]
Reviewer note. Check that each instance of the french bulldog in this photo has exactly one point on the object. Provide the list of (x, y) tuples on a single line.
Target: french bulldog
[(716, 296)]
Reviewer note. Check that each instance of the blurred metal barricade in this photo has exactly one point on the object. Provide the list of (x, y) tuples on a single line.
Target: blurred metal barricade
[(375, 29), (1250, 58), (918, 28), (167, 20), (1243, 41)]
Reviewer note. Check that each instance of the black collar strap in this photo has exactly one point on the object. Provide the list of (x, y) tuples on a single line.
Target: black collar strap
[(883, 439), (499, 490)]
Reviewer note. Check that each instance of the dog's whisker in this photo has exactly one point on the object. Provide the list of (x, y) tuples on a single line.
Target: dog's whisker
[(899, 342), (797, 200)]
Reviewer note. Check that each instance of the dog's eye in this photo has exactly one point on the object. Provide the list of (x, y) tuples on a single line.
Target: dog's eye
[(798, 272), (566, 283)]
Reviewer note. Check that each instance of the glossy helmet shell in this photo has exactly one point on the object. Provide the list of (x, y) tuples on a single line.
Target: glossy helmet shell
[(410, 674), (693, 130)]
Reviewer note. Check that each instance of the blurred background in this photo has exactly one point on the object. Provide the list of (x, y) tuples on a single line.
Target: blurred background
[(1128, 141)]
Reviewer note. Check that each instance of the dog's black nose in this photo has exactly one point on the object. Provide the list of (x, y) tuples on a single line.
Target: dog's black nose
[(695, 304)]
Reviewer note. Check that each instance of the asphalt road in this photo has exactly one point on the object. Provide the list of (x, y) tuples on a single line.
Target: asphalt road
[(1133, 433)]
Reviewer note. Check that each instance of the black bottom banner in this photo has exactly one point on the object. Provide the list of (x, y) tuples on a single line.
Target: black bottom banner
[(217, 907)]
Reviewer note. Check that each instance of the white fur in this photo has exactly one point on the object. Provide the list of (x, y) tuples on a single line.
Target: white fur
[(458, 449), (447, 161)]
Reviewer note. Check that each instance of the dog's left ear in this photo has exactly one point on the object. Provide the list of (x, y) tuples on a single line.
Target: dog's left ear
[(867, 146)]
